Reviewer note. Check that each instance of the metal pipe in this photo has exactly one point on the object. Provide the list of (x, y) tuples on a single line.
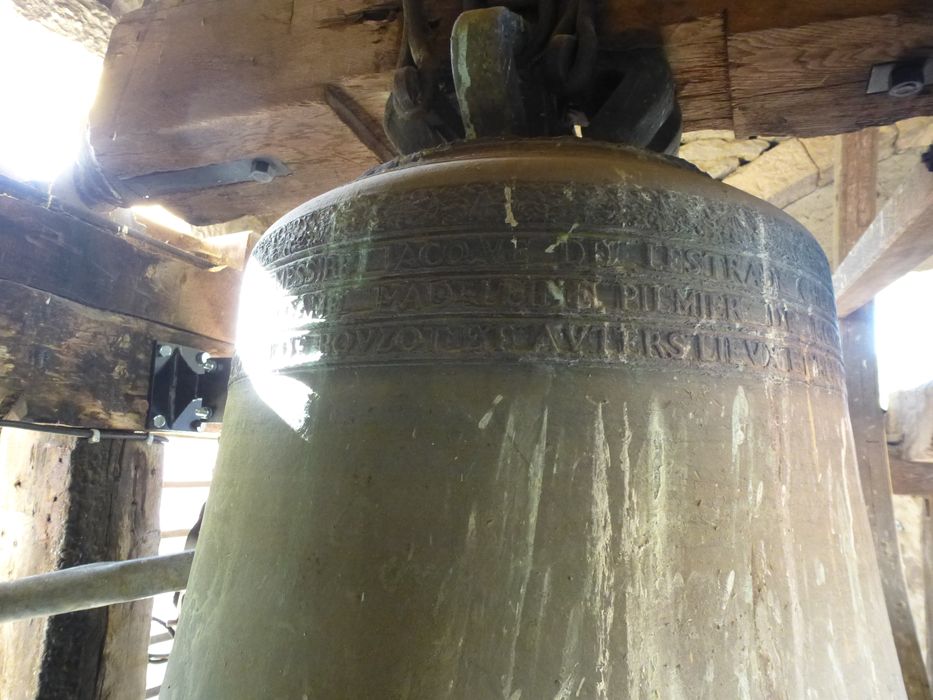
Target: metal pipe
[(93, 586)]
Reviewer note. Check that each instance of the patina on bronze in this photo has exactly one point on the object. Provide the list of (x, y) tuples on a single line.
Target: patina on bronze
[(543, 419)]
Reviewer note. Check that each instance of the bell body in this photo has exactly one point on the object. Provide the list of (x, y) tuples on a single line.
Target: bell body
[(547, 419)]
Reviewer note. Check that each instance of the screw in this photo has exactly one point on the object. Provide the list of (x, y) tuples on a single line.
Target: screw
[(159, 421), (203, 413), (210, 365), (261, 171), (166, 350), (203, 357)]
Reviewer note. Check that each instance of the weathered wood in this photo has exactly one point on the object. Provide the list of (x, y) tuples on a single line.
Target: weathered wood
[(67, 363), (875, 476), (856, 190), (928, 579), (909, 423), (113, 515), (48, 245), (194, 83), (745, 16), (696, 51), (74, 503), (910, 478), (35, 472), (86, 22), (898, 240), (855, 196), (810, 80)]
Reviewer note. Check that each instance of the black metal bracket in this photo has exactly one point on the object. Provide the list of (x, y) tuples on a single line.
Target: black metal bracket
[(901, 78), (187, 388), (261, 169)]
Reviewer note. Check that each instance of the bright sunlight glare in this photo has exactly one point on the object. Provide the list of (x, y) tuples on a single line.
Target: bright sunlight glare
[(904, 334), (48, 85)]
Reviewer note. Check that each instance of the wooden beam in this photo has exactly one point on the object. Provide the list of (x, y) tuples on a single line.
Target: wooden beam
[(910, 478), (855, 192), (810, 80), (63, 362), (898, 240), (50, 246), (854, 201), (201, 82)]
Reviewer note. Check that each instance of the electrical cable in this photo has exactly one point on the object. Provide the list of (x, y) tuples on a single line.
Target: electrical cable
[(91, 434)]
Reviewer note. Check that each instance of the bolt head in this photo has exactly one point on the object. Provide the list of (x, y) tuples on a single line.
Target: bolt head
[(907, 79), (203, 357), (166, 350), (159, 421), (261, 171), (210, 365), (203, 413), (908, 88)]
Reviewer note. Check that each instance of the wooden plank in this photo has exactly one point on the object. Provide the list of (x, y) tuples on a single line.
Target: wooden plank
[(898, 240), (875, 475), (696, 51), (742, 15), (856, 190), (810, 80), (113, 515), (50, 246), (910, 478), (202, 82), (928, 579), (68, 502), (855, 200), (62, 362)]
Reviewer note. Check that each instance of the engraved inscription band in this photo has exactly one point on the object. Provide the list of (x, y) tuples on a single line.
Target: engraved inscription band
[(723, 289)]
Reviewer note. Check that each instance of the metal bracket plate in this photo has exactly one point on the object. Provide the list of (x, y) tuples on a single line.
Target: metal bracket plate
[(187, 388)]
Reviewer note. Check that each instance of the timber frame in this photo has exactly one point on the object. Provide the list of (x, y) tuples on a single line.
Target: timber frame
[(204, 82), (199, 82)]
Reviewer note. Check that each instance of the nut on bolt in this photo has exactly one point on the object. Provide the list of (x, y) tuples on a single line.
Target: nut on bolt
[(203, 413), (261, 171)]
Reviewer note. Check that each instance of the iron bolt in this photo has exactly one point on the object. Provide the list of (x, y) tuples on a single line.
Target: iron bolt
[(203, 357), (166, 350), (203, 413), (159, 421), (906, 79), (210, 365)]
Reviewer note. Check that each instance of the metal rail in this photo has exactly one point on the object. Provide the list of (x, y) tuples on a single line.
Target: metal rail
[(93, 586)]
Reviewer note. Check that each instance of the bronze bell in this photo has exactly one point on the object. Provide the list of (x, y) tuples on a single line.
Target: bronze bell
[(538, 419)]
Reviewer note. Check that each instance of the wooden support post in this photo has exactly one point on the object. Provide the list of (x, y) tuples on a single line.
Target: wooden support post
[(896, 241), (855, 203), (67, 502), (928, 578)]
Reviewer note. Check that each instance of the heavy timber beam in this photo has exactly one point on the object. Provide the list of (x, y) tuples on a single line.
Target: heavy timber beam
[(202, 82), (898, 240), (65, 503), (82, 307), (855, 198)]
